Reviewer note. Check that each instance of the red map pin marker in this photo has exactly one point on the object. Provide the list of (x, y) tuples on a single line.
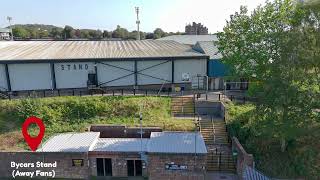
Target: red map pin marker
[(33, 142)]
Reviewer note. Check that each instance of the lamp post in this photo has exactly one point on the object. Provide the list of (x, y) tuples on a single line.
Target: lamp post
[(10, 19)]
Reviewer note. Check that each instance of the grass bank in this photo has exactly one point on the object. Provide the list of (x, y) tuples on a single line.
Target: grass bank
[(75, 114)]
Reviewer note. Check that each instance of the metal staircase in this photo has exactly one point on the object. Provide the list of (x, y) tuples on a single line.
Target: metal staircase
[(219, 156)]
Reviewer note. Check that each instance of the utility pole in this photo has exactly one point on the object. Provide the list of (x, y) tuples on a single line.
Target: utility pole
[(10, 19), (140, 118), (138, 23)]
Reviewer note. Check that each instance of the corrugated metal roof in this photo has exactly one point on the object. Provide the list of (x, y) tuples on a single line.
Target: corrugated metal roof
[(159, 142), (51, 50), (252, 174), (120, 145), (176, 142), (209, 48), (190, 39), (71, 142)]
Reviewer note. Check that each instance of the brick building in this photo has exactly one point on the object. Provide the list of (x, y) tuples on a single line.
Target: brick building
[(158, 155), (196, 29)]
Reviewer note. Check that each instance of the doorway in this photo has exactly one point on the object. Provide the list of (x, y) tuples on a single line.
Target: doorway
[(92, 80), (104, 167), (134, 167)]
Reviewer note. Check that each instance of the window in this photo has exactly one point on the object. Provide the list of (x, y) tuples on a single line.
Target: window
[(104, 167)]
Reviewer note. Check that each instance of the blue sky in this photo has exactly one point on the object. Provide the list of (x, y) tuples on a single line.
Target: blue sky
[(170, 15)]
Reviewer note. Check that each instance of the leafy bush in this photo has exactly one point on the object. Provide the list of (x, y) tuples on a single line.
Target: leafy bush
[(238, 122), (300, 160)]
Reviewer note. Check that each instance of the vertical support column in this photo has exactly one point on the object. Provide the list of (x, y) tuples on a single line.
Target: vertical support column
[(53, 76), (8, 77), (135, 73), (172, 71), (207, 69), (172, 75), (96, 72)]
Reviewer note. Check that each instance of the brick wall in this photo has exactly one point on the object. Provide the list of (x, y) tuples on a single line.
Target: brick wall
[(64, 163), (195, 169), (155, 168), (243, 159), (204, 107), (119, 162)]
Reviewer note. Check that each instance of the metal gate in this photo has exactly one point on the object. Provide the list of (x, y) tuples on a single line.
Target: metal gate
[(199, 82)]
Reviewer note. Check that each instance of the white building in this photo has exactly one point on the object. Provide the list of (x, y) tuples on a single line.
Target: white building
[(50, 65), (216, 70), (5, 34)]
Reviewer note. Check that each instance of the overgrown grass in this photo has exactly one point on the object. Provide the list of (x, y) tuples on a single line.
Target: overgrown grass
[(300, 160), (75, 114)]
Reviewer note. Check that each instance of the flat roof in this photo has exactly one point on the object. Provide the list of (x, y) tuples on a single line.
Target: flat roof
[(70, 142), (176, 142), (121, 145), (159, 142), (92, 50)]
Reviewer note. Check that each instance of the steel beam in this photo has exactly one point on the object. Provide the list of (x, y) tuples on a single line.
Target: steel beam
[(8, 77), (53, 76)]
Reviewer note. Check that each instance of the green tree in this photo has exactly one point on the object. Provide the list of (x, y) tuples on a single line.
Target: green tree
[(158, 33), (149, 36), (277, 47), (133, 35), (43, 33), (97, 34), (20, 32), (68, 32), (55, 33), (120, 33), (106, 34), (84, 33)]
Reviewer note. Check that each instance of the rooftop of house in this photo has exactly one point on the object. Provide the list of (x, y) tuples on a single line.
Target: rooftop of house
[(159, 142), (189, 39), (92, 50), (208, 48), (71, 142)]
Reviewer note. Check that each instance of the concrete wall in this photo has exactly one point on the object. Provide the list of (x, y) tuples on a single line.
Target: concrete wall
[(30, 76), (192, 66), (208, 108), (72, 75), (161, 71), (107, 73), (195, 168), (3, 78), (64, 167)]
